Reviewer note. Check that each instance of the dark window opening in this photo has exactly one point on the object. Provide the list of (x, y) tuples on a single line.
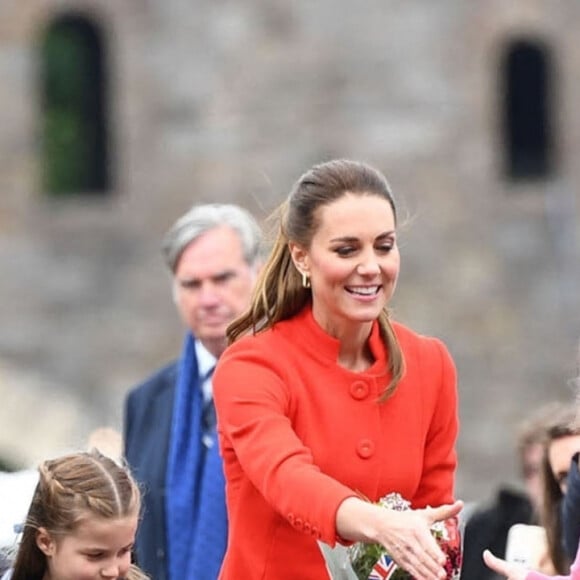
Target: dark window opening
[(74, 128), (527, 111)]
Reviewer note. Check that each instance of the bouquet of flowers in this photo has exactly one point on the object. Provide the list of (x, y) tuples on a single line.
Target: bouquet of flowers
[(363, 561)]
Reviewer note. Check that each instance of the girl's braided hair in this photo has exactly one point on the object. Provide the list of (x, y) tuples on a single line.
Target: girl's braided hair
[(71, 489)]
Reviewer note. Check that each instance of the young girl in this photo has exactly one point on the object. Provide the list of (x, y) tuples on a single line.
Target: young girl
[(556, 488), (81, 523)]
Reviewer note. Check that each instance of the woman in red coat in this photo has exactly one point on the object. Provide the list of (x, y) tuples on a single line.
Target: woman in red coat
[(324, 403)]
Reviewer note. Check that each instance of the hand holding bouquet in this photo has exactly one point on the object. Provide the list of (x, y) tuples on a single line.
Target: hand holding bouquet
[(364, 561)]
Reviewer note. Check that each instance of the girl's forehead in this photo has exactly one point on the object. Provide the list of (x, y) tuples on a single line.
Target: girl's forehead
[(94, 526)]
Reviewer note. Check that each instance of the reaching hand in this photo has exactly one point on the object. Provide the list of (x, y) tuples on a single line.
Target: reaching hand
[(441, 513), (408, 540), (510, 571)]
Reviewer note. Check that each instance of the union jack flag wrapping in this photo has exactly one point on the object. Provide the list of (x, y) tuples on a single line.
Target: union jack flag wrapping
[(384, 569), (363, 561)]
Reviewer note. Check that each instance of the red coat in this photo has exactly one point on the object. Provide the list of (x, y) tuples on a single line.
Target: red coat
[(299, 434)]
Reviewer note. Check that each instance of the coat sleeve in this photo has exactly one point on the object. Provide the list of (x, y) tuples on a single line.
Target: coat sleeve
[(252, 401), (440, 457)]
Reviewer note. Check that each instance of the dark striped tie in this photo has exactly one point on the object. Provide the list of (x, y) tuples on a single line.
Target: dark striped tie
[(208, 417)]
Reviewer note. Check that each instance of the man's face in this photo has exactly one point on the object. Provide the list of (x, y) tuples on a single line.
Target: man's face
[(213, 285)]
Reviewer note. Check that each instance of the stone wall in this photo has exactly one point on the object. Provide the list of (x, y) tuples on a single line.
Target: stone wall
[(231, 101)]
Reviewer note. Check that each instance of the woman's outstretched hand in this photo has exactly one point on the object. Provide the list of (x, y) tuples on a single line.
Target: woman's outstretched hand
[(409, 541), (507, 569), (406, 535)]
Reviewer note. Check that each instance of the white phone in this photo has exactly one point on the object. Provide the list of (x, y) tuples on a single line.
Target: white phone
[(526, 545)]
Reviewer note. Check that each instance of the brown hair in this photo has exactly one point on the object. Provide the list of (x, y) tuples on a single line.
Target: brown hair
[(531, 431), (562, 425), (70, 489), (279, 293)]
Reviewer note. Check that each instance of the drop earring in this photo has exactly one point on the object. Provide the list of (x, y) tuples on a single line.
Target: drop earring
[(305, 280)]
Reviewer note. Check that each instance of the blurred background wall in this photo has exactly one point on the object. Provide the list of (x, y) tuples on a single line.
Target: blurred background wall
[(116, 116)]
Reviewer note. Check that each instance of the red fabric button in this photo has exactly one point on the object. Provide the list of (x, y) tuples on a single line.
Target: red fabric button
[(359, 390), (365, 448)]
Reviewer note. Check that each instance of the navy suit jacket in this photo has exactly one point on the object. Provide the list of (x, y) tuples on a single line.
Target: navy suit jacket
[(147, 427)]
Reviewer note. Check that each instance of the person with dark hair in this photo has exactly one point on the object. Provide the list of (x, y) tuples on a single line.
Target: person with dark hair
[(489, 525), (81, 522), (571, 509), (324, 403), (213, 253), (561, 443), (570, 513)]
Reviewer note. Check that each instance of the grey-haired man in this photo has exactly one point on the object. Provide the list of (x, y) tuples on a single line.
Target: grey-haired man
[(213, 253)]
